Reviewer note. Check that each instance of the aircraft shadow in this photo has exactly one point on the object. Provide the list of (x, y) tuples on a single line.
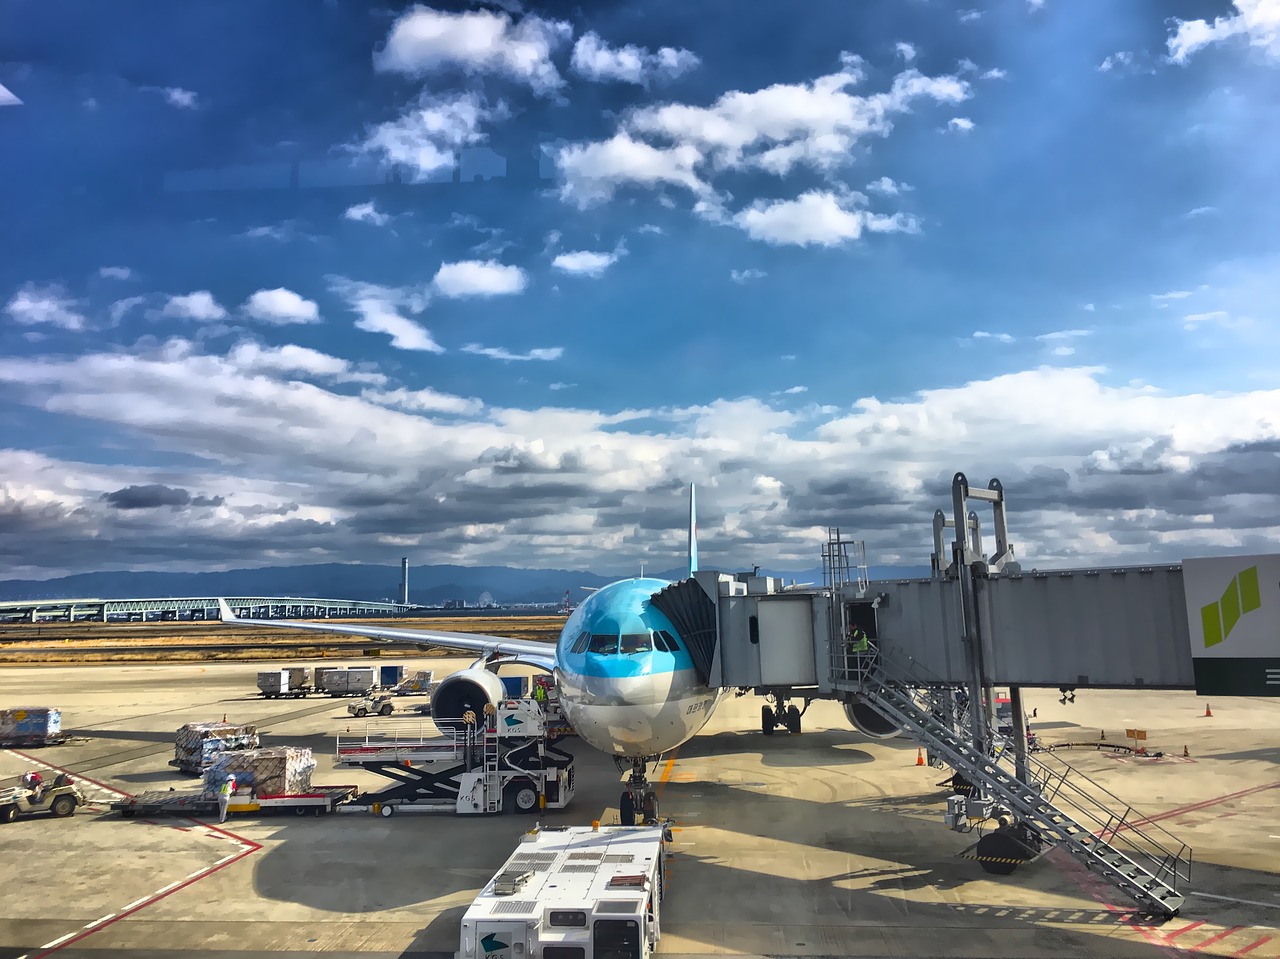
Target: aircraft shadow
[(781, 749)]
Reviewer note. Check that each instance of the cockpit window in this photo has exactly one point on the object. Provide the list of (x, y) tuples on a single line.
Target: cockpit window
[(671, 645), (660, 642), (580, 644), (603, 643), (636, 643)]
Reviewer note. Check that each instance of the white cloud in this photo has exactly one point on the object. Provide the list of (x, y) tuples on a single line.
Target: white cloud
[(426, 137), (424, 41), (905, 50), (180, 98), (379, 309), (960, 124), (479, 278), (650, 228), (1063, 335), (984, 335), (887, 187), (584, 262), (596, 60), (995, 73), (742, 276), (254, 358), (1063, 350), (500, 353), (281, 307), (1192, 320), (562, 386), (1115, 61), (1162, 300), (1201, 211), (1089, 307), (50, 305), (115, 272), (7, 99), (968, 16), (791, 391), (424, 401), (195, 306), (1035, 4), (775, 129), (366, 213), (817, 218), (119, 308), (1259, 20)]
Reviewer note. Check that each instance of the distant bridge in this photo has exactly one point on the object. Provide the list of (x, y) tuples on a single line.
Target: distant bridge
[(188, 608)]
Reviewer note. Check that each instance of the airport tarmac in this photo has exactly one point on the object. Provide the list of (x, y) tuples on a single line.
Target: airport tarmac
[(825, 844)]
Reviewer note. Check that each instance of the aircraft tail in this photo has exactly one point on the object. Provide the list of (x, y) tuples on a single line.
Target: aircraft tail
[(693, 530)]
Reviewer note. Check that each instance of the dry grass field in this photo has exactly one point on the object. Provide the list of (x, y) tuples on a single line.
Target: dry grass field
[(201, 641)]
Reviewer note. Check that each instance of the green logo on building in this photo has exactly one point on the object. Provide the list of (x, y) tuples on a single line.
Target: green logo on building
[(1242, 596)]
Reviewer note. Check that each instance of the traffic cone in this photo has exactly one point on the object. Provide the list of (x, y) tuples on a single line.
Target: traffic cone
[(919, 756), (1207, 711), (1102, 734), (1185, 754), (224, 717)]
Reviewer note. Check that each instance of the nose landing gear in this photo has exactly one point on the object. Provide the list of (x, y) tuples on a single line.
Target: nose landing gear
[(639, 798)]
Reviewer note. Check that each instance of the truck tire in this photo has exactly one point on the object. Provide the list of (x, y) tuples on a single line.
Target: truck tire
[(521, 797), (385, 709), (63, 806), (361, 713), (8, 813)]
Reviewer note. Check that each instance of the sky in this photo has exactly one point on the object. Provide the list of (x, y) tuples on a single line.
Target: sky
[(491, 283)]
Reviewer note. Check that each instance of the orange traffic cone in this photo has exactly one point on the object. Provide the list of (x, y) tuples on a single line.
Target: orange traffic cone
[(224, 717), (919, 756), (1185, 754), (1102, 734), (1207, 710)]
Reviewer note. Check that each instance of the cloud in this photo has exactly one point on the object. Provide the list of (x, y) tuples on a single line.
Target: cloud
[(180, 98), (1063, 335), (379, 309), (424, 401), (500, 353), (1259, 20), (7, 99), (119, 308), (775, 129), (1201, 211), (115, 272), (562, 386), (596, 60), (960, 124), (1063, 350), (50, 305), (1089, 307), (584, 263), (424, 41), (1192, 320), (817, 218), (366, 213), (1162, 300), (995, 73), (984, 335), (968, 16), (742, 276), (650, 228), (199, 305), (479, 278), (887, 187), (791, 391), (249, 356), (1115, 61), (905, 50), (281, 307), (426, 137), (155, 495)]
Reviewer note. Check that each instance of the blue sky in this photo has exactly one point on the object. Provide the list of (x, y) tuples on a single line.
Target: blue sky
[(488, 283)]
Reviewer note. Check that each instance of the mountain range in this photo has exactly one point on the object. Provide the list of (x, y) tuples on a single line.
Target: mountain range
[(428, 585)]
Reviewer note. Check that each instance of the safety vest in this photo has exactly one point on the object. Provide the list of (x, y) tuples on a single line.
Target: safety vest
[(858, 640), (227, 788), (539, 694)]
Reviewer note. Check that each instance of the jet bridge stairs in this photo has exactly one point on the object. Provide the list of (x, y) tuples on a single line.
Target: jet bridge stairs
[(1055, 804)]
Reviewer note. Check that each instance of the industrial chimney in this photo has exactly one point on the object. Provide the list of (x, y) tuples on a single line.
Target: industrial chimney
[(404, 581)]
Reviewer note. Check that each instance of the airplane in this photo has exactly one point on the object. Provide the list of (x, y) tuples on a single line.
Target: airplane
[(627, 678)]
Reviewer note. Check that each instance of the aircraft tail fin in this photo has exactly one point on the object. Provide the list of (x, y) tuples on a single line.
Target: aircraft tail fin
[(693, 530)]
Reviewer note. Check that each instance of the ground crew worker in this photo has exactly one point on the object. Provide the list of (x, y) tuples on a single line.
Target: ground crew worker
[(35, 782), (857, 640), (539, 693), (225, 792)]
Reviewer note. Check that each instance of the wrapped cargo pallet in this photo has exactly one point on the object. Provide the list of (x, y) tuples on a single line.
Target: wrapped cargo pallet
[(31, 725), (277, 770), (197, 743)]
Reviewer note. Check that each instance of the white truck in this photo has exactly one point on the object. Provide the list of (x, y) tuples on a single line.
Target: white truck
[(507, 762), (573, 892)]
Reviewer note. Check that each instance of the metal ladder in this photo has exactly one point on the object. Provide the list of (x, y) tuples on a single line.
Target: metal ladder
[(1059, 803), (492, 780)]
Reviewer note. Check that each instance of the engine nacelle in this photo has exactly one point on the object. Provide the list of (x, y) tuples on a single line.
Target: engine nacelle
[(466, 689), (869, 722)]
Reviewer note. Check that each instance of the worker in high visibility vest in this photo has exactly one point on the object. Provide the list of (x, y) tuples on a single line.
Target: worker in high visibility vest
[(539, 693), (857, 640), (225, 792)]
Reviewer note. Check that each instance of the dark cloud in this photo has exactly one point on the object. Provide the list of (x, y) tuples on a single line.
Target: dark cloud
[(154, 495)]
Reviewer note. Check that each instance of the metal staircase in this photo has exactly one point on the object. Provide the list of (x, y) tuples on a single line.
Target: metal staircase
[(1057, 802), (492, 781)]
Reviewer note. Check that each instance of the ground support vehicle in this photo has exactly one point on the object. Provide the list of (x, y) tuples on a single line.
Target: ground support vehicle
[(371, 705), (59, 799), (319, 800)]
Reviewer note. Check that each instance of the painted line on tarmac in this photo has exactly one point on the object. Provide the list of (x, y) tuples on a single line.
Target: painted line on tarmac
[(1248, 902), (1218, 938), (1197, 806), (70, 772), (1252, 946)]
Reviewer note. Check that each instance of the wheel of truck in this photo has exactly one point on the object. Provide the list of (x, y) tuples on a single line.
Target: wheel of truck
[(385, 709), (361, 713), (387, 811), (521, 797), (8, 813), (63, 806)]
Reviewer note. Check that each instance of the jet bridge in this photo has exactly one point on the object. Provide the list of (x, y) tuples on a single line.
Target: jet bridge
[(923, 655)]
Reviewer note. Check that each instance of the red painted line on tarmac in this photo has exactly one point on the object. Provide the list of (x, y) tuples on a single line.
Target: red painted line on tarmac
[(1212, 939), (1187, 928), (1252, 946), (249, 847), (79, 776), (1195, 807)]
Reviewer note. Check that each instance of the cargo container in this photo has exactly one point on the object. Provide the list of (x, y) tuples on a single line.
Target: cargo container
[(350, 682), (318, 683), (197, 744), (299, 676), (30, 726), (288, 681), (516, 687), (389, 676)]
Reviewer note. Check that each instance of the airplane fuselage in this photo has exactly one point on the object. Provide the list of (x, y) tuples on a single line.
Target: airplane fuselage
[(627, 683)]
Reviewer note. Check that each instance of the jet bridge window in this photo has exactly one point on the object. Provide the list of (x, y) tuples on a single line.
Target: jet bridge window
[(604, 643), (636, 643), (582, 642)]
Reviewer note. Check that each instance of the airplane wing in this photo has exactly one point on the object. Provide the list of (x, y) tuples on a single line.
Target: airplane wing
[(525, 650)]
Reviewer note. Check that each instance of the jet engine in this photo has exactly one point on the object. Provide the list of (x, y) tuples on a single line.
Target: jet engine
[(869, 722), (466, 689)]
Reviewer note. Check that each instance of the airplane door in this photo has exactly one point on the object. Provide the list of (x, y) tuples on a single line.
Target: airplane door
[(500, 940)]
